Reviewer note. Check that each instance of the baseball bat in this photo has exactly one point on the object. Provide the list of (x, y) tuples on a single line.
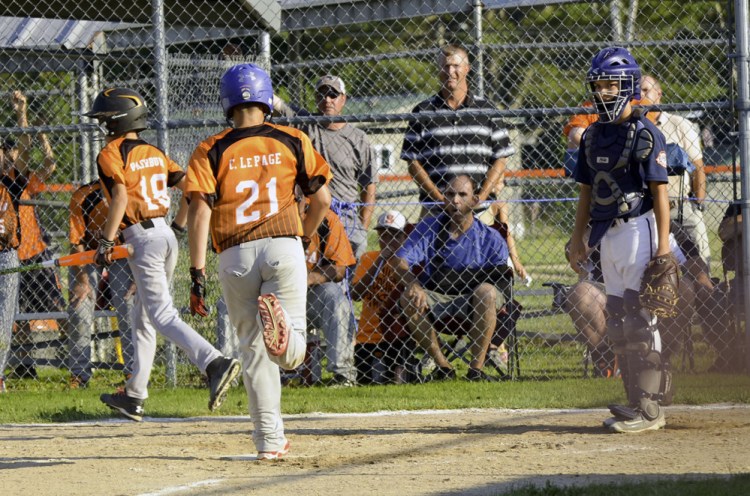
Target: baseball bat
[(82, 258)]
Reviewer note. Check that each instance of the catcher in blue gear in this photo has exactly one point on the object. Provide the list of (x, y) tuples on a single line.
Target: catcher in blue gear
[(622, 173)]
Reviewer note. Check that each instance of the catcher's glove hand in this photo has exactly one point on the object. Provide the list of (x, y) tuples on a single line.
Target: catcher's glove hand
[(659, 286)]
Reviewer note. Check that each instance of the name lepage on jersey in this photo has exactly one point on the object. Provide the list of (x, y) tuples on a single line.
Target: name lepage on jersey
[(255, 161)]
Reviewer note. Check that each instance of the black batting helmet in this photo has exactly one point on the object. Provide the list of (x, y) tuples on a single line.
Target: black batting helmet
[(119, 110)]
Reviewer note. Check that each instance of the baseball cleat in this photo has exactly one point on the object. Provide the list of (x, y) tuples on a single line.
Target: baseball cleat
[(275, 331), (274, 455), (639, 424), (221, 372), (132, 408)]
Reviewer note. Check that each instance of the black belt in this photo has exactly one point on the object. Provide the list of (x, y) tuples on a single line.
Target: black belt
[(147, 224)]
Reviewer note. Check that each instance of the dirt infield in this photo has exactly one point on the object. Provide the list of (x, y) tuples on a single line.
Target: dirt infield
[(455, 452)]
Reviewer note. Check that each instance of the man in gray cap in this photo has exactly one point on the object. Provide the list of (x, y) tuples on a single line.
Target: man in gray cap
[(349, 153)]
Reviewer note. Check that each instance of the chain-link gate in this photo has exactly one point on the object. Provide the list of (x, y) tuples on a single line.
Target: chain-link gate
[(528, 62)]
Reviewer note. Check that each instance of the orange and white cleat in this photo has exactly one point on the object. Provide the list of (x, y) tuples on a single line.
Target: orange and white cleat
[(275, 329), (274, 455)]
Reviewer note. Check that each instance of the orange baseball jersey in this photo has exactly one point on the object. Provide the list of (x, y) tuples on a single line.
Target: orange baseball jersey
[(381, 317), (88, 213), (145, 171), (249, 176), (8, 221), (585, 120), (329, 245), (23, 188)]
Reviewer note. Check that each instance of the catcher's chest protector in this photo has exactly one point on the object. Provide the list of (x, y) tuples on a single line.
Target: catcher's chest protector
[(616, 188)]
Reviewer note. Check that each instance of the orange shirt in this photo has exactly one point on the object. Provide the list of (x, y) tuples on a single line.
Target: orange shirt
[(585, 120), (337, 250), (145, 171), (88, 214), (250, 174), (25, 188), (381, 317), (8, 221)]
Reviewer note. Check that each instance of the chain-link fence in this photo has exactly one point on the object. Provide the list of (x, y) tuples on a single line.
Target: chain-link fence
[(528, 62)]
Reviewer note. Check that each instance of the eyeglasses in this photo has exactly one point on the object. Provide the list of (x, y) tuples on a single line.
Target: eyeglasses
[(332, 94)]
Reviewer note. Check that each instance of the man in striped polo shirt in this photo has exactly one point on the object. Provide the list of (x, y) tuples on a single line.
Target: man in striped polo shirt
[(453, 144)]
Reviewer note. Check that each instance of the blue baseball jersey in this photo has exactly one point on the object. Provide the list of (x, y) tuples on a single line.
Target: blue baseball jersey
[(481, 247)]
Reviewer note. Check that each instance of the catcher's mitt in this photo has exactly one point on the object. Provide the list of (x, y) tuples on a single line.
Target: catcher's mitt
[(659, 286)]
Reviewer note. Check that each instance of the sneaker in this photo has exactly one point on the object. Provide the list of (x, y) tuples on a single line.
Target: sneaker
[(78, 382), (221, 372), (639, 424), (274, 455), (476, 375), (440, 374), (275, 333), (341, 381), (498, 358), (132, 408)]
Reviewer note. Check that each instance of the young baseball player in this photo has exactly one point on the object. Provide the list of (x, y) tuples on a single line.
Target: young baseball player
[(136, 178), (8, 283), (241, 184), (622, 172)]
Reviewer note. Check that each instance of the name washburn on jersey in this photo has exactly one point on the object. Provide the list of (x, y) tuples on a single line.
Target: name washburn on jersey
[(147, 177), (249, 176)]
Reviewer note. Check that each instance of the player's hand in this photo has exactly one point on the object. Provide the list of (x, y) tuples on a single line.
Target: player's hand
[(577, 255), (18, 100), (198, 292), (103, 256)]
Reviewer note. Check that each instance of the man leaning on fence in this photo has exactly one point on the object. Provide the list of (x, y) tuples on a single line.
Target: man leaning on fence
[(349, 153), (455, 143), (454, 267)]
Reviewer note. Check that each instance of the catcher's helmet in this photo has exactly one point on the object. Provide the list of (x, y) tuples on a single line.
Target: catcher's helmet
[(614, 64), (245, 83), (119, 110)]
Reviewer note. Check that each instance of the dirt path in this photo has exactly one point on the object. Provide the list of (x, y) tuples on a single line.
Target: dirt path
[(458, 452)]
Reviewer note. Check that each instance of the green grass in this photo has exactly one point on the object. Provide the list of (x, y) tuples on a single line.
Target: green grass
[(54, 403)]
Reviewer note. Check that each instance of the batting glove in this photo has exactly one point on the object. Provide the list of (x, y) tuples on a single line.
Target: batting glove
[(198, 292), (103, 255)]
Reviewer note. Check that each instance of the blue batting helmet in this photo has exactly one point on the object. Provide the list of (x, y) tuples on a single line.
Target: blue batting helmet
[(245, 83), (614, 64)]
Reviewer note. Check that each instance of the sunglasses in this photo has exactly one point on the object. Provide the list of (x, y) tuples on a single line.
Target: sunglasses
[(332, 94)]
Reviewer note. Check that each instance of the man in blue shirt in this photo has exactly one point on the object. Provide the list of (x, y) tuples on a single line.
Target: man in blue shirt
[(463, 264)]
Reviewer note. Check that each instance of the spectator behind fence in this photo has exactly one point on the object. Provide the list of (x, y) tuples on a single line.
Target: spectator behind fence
[(686, 216), (349, 153), (445, 146), (328, 256), (88, 213), (384, 349), (454, 266), (724, 312), (8, 260), (39, 290), (622, 173)]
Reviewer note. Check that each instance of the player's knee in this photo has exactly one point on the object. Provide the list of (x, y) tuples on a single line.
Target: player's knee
[(485, 293)]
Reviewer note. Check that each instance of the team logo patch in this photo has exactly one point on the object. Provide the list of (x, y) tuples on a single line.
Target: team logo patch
[(602, 160), (661, 159)]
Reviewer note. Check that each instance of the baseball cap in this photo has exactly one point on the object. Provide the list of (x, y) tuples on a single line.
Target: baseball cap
[(392, 219), (334, 82)]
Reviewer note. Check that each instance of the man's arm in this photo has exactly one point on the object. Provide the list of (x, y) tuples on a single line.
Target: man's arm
[(367, 198), (320, 202), (18, 100), (699, 181), (494, 176), (424, 182), (49, 164)]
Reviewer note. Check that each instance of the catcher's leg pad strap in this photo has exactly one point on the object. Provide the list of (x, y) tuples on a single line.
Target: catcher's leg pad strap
[(622, 411)]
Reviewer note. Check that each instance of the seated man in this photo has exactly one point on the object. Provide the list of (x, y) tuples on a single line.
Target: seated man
[(328, 256), (723, 312), (463, 265), (383, 344)]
